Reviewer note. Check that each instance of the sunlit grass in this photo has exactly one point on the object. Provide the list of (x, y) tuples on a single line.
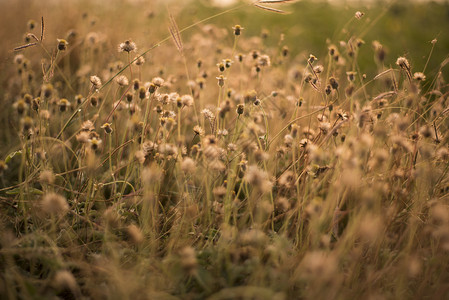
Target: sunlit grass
[(232, 154)]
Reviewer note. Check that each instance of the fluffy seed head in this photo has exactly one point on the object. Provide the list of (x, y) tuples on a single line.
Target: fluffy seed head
[(96, 81), (62, 44), (127, 46), (54, 204)]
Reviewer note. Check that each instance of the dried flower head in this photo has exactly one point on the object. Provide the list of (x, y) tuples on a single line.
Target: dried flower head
[(258, 178), (107, 128), (63, 104), (419, 76), (139, 60), (237, 30), (221, 80), (62, 44), (47, 176), (122, 80), (96, 82), (188, 165), (127, 46), (198, 130), (359, 15), (54, 204)]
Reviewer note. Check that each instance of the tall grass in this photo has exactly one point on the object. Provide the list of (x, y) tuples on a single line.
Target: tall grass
[(157, 160)]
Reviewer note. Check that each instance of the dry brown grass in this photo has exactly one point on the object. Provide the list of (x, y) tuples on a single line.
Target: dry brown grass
[(219, 167)]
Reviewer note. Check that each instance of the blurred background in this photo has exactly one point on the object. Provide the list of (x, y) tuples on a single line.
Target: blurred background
[(402, 27)]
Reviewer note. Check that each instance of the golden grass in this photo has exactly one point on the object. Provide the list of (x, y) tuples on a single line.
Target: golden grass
[(220, 167)]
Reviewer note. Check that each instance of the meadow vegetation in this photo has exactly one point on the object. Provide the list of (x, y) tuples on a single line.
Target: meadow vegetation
[(153, 151)]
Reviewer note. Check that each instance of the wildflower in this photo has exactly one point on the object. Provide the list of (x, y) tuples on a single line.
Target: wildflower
[(227, 62), (294, 130), (318, 69), (219, 192), (168, 123), (62, 44), (96, 82), (47, 90), (18, 59), (237, 30), (148, 147), (312, 59), (258, 178), (198, 130), (209, 140), (221, 80), (264, 61), (221, 67), (27, 98), (232, 147), (122, 80), (158, 81), (47, 176), (136, 84), (379, 51), (107, 128), (351, 76), (419, 76), (139, 60), (27, 123), (442, 153), (222, 132), (287, 180), (127, 46), (129, 97), (333, 82), (240, 109), (95, 143), (201, 82), (332, 50), (359, 15), (282, 204), (188, 259), (45, 114), (31, 24), (188, 165), (405, 65), (20, 106), (254, 54), (187, 100), (250, 96), (359, 43), (63, 104), (79, 99), (87, 126), (92, 38), (54, 204), (142, 93)]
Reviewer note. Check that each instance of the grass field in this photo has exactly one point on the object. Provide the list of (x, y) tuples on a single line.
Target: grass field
[(173, 150)]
